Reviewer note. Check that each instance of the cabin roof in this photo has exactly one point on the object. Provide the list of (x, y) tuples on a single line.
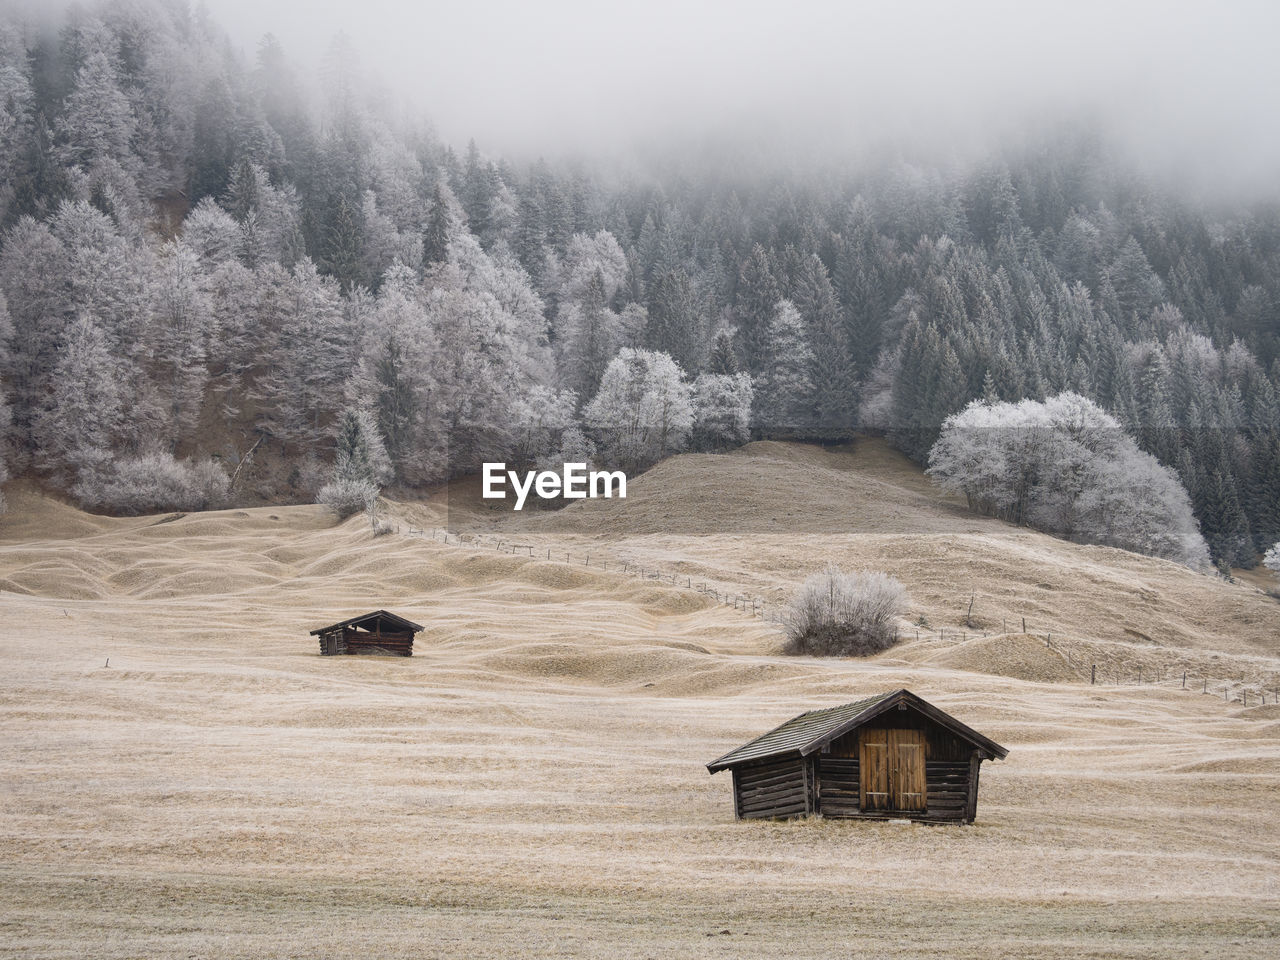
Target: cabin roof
[(365, 618), (815, 729)]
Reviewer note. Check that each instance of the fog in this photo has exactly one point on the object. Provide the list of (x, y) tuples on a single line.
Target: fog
[(1190, 87)]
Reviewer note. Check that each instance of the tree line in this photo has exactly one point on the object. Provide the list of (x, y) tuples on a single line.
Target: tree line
[(205, 253)]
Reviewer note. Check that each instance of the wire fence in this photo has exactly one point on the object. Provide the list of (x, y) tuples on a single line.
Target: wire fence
[(1095, 662), (605, 562), (1168, 670)]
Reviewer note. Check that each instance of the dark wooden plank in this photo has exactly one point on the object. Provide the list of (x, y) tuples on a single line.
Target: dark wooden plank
[(971, 810), (776, 813)]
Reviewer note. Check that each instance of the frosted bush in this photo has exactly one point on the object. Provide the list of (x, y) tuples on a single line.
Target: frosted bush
[(153, 481), (1272, 560), (837, 614), (346, 496), (1067, 467)]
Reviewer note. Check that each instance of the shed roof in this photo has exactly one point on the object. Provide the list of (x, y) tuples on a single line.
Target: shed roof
[(815, 729), (364, 618)]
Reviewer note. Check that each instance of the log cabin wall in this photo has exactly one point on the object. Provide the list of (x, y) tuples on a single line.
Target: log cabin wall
[(774, 788), (362, 641), (332, 643)]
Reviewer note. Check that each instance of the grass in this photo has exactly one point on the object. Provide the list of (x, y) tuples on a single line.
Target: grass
[(531, 782)]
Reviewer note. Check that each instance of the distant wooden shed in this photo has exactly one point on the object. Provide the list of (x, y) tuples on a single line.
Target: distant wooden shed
[(377, 633), (894, 755)]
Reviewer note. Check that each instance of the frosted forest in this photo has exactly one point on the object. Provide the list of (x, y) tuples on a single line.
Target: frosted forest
[(226, 280)]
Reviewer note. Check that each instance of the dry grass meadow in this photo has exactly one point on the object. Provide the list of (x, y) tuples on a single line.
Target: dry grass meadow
[(531, 784)]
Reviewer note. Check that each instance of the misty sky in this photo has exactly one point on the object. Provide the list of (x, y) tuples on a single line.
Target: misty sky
[(1193, 85)]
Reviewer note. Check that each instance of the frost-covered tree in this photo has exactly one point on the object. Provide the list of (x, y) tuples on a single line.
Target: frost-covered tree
[(6, 332), (212, 233), (589, 334), (785, 396), (1067, 467), (360, 465), (643, 410), (359, 453), (574, 447), (310, 361), (83, 413), (183, 320), (722, 410), (592, 258), (17, 119), (98, 122), (541, 418), (1272, 559)]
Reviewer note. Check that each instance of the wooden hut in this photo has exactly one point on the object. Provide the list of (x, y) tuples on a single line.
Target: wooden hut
[(378, 633), (894, 755)]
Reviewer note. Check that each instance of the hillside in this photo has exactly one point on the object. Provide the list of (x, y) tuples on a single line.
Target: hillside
[(759, 520), (183, 775)]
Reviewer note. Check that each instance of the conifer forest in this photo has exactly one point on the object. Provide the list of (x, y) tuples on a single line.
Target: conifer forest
[(229, 280)]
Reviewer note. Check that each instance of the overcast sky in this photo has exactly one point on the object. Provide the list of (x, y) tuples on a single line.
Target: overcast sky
[(1193, 85)]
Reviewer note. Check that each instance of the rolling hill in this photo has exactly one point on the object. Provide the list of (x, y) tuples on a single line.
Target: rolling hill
[(182, 775)]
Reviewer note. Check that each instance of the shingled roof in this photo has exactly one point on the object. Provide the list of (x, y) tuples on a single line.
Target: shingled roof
[(364, 618), (813, 730)]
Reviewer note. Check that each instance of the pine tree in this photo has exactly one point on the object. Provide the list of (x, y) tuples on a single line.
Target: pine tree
[(757, 297), (785, 400), (675, 325), (478, 190), (344, 245), (724, 361), (832, 373), (595, 337), (989, 392), (244, 191), (435, 238), (359, 453), (394, 402), (1265, 489), (1226, 529)]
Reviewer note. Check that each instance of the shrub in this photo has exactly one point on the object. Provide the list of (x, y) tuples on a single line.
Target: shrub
[(1272, 559), (1065, 466), (347, 497), (153, 481), (837, 614)]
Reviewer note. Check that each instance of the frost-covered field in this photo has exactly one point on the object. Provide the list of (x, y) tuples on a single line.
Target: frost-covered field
[(530, 783)]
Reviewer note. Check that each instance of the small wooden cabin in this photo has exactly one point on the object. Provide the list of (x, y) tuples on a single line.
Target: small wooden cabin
[(377, 633), (894, 755)]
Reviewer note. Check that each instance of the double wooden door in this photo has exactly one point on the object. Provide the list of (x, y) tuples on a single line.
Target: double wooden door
[(891, 764)]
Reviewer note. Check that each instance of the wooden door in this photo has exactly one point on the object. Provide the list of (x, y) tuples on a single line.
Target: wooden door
[(906, 776), (891, 764), (873, 764)]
